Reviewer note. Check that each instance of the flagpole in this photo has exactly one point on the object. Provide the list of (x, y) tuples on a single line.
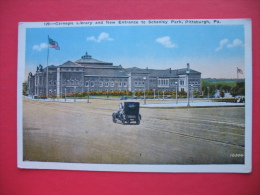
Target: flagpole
[(47, 90), (237, 72)]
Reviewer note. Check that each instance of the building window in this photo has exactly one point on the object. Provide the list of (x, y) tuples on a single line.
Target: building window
[(181, 82), (139, 83), (92, 83), (112, 84), (87, 84), (106, 84), (120, 84), (125, 84), (163, 82), (100, 84)]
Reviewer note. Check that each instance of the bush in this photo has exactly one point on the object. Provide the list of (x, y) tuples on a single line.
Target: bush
[(223, 99), (70, 95), (79, 94), (43, 96), (53, 96)]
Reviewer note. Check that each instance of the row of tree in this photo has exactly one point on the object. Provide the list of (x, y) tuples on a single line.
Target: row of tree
[(208, 88), (148, 93), (234, 88)]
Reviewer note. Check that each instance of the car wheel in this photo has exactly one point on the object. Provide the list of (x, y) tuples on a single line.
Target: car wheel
[(123, 122), (114, 120)]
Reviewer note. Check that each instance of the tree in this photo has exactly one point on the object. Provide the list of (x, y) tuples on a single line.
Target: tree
[(196, 93), (25, 88), (239, 89), (182, 93)]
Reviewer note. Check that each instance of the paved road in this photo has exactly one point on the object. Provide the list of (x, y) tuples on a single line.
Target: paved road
[(84, 132)]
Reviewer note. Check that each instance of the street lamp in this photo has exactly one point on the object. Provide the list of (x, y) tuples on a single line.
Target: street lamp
[(176, 92), (88, 90), (65, 94), (158, 86), (75, 94), (188, 72), (208, 93), (144, 90), (163, 94), (191, 93)]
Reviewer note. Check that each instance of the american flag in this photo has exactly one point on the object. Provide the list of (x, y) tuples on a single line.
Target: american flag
[(53, 44), (239, 71)]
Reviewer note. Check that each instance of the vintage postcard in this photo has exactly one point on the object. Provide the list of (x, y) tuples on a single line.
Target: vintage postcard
[(135, 95)]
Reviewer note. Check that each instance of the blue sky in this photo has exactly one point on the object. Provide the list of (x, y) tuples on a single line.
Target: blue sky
[(214, 50)]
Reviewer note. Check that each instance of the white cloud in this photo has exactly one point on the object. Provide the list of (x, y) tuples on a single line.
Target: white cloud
[(166, 41), (224, 42), (40, 47), (102, 37), (236, 43), (91, 38), (221, 44)]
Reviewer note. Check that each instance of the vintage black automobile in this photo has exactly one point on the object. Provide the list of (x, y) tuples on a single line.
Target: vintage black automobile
[(128, 112)]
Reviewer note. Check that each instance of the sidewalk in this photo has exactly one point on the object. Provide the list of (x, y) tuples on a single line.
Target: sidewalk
[(197, 104), (167, 103), (59, 100)]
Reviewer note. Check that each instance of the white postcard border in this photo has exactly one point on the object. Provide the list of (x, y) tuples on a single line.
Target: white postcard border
[(246, 168)]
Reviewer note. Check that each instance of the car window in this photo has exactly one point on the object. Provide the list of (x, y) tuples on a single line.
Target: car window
[(131, 105)]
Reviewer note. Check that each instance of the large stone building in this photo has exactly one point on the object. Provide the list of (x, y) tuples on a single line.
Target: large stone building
[(88, 74)]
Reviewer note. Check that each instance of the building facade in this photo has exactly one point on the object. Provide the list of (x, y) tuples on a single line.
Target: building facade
[(88, 74)]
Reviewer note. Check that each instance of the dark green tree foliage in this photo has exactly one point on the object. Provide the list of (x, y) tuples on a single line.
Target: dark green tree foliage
[(208, 88), (226, 87), (25, 89), (239, 89), (234, 86)]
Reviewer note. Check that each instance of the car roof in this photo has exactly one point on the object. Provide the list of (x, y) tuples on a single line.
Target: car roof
[(132, 101)]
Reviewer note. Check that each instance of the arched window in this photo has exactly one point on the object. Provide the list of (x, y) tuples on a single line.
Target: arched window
[(92, 83), (86, 83)]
